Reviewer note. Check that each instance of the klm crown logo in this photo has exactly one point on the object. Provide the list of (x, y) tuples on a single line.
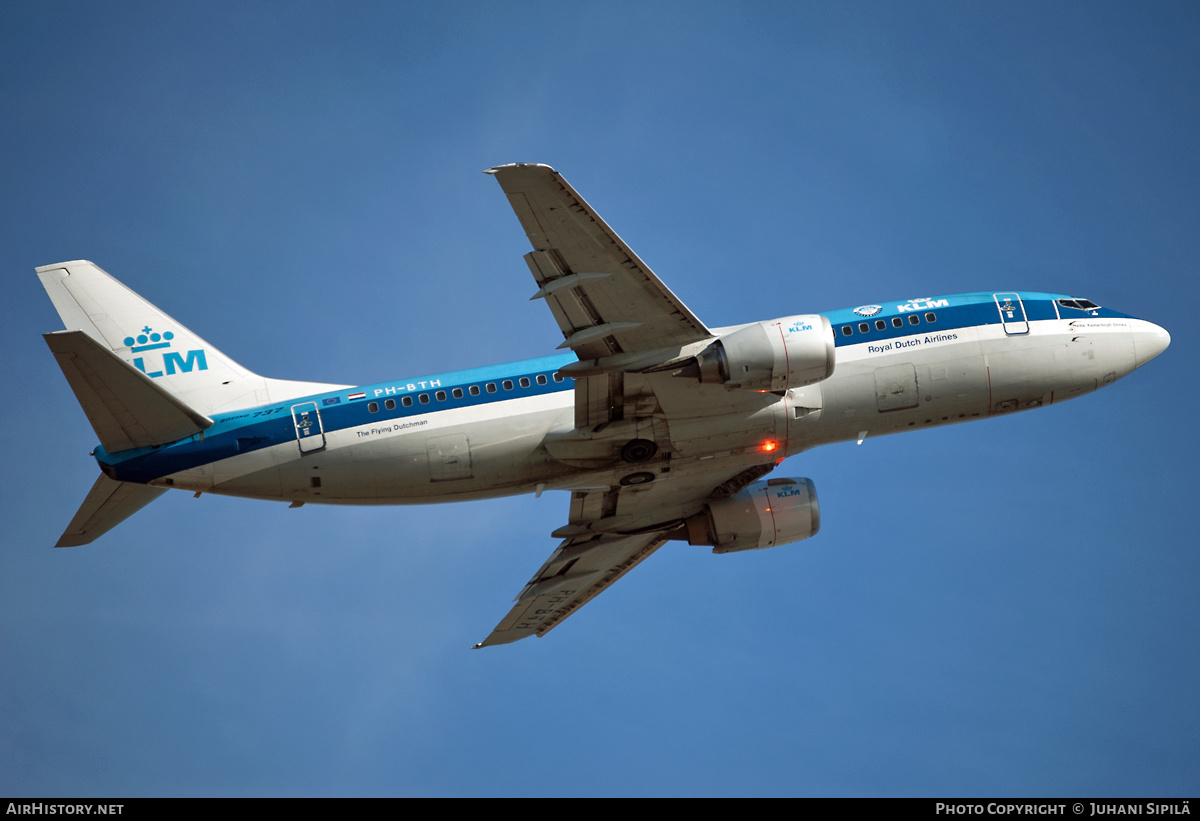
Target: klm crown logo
[(172, 362)]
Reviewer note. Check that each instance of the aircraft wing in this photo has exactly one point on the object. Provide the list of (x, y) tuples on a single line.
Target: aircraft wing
[(621, 321), (576, 572), (606, 301), (611, 531), (614, 313)]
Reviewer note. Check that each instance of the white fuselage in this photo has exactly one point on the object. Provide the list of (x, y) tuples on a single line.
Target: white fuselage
[(522, 439)]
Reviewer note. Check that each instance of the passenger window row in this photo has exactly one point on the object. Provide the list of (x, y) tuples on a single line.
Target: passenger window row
[(457, 393), (881, 324)]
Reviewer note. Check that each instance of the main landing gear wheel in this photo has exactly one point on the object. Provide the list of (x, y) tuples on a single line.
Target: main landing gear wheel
[(638, 450), (638, 478)]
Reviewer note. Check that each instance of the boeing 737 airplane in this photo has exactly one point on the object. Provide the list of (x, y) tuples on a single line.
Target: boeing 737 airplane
[(660, 427)]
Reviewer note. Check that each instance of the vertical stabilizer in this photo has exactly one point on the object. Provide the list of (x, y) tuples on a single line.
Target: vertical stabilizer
[(179, 361)]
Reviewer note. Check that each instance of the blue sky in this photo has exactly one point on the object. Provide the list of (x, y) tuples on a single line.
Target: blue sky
[(1000, 608)]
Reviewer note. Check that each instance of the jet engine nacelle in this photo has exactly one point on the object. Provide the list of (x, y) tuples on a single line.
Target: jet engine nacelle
[(771, 356), (766, 514)]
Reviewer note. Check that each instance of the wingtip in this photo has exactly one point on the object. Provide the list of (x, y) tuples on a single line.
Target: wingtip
[(54, 266), (494, 169)]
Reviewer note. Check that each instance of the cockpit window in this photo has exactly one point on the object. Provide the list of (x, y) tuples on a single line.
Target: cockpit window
[(1079, 304)]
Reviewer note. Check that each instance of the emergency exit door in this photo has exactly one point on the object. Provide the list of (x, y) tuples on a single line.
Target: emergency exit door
[(309, 433), (1012, 314)]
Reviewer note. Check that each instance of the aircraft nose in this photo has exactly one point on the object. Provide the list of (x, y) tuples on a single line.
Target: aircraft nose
[(1149, 340)]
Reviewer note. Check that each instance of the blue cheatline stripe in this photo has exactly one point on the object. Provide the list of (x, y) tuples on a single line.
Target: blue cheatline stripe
[(252, 429), (960, 311)]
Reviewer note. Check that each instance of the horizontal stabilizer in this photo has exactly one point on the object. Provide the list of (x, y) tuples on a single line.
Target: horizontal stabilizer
[(108, 503), (126, 409)]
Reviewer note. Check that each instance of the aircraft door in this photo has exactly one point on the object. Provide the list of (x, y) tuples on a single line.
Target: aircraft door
[(1012, 314), (309, 432)]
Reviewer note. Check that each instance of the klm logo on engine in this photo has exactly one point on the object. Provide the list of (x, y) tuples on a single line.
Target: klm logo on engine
[(797, 327), (171, 362), (925, 304)]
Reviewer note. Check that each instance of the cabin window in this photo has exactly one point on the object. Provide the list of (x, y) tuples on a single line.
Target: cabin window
[(373, 407), (473, 390), (863, 327), (913, 319), (847, 330), (406, 401), (507, 384), (441, 396), (931, 317), (897, 322), (423, 399), (491, 387), (541, 379), (880, 325), (456, 393), (558, 377), (390, 404), (524, 382)]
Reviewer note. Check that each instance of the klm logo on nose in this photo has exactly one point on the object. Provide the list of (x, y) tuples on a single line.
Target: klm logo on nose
[(172, 362)]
